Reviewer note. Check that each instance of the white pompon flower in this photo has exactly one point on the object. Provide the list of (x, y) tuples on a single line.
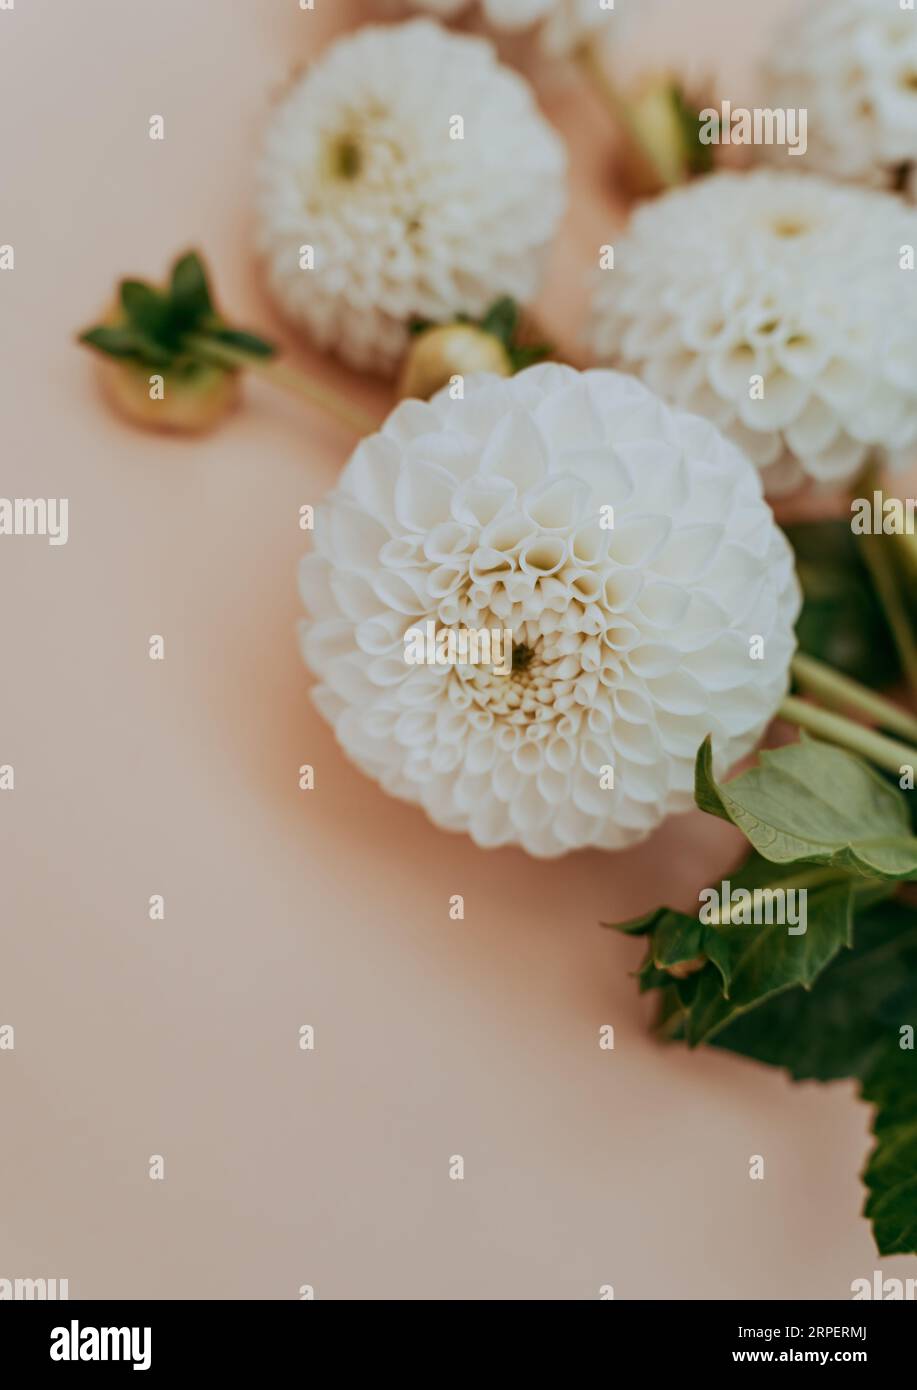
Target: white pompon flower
[(632, 629), (420, 178), (852, 64), (778, 305)]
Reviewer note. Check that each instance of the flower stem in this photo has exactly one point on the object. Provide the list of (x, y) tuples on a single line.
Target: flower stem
[(885, 752), (288, 379), (590, 62), (876, 553), (654, 118), (878, 562), (841, 693), (588, 59), (803, 881)]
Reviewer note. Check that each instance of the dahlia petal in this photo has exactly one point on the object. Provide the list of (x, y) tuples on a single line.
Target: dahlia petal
[(423, 496)]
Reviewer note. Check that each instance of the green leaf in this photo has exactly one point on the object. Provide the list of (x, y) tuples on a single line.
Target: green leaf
[(639, 926), (522, 357), (743, 964), (502, 320), (811, 801), (128, 343), (852, 1024), (841, 1026), (810, 1006), (114, 342), (842, 621), (248, 343), (678, 939), (750, 964), (189, 291), (891, 1173), (146, 310)]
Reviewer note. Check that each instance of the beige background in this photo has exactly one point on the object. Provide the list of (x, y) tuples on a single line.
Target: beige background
[(180, 1038)]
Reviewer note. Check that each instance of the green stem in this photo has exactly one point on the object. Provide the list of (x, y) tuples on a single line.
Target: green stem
[(814, 878), (841, 693), (885, 752), (288, 379), (878, 557), (588, 58)]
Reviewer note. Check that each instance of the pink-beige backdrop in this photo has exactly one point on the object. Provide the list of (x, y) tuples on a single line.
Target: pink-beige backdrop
[(180, 1038)]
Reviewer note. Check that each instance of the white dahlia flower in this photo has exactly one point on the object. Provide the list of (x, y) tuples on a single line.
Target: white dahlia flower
[(564, 24), (630, 628), (502, 14), (418, 175), (571, 23), (776, 305), (852, 64)]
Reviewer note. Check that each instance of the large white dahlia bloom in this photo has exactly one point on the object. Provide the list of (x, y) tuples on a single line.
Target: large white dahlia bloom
[(852, 64), (781, 307), (630, 642), (418, 176)]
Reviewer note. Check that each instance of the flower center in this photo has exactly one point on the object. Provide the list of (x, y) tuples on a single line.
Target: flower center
[(346, 158), (522, 697), (522, 656), (790, 227)]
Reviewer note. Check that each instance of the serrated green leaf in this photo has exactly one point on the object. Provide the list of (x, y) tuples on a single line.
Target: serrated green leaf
[(649, 977), (812, 801), (638, 926), (812, 1007), (189, 291), (891, 1172), (754, 963), (839, 1028), (671, 1015), (678, 938), (751, 964), (852, 1024), (748, 964)]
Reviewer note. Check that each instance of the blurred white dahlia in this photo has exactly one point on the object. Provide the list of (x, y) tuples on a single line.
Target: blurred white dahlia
[(629, 643), (404, 220), (566, 23), (502, 14), (852, 64), (776, 305)]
